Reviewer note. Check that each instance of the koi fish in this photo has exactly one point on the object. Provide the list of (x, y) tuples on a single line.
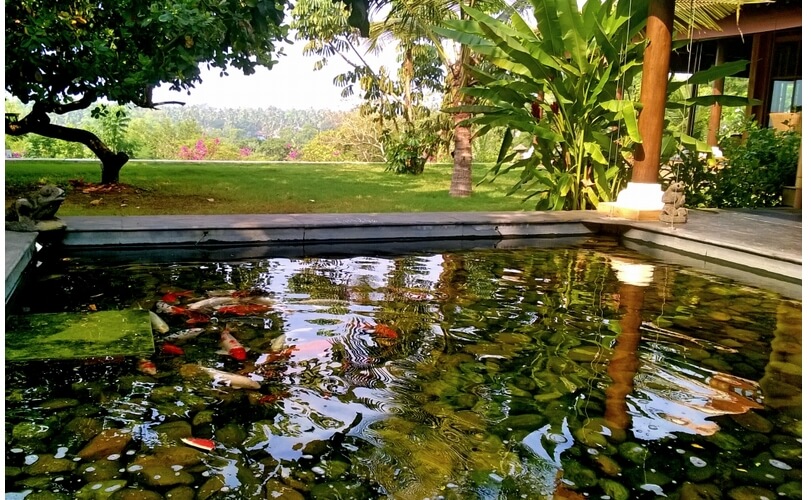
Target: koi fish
[(242, 309), (278, 343), (183, 335), (210, 303), (231, 346), (163, 307), (231, 379), (157, 322), (196, 318), (174, 297), (272, 398), (172, 349), (252, 292), (380, 330), (147, 367), (203, 444), (274, 357)]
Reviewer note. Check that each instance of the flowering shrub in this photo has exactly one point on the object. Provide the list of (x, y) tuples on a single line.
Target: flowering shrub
[(199, 151), (293, 154), (245, 152)]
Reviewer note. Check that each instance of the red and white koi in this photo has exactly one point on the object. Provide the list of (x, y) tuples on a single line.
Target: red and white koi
[(231, 346), (201, 443), (147, 367)]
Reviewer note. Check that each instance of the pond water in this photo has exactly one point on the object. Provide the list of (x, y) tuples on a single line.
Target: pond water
[(471, 374)]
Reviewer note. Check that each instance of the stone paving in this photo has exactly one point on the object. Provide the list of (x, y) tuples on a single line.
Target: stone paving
[(762, 242)]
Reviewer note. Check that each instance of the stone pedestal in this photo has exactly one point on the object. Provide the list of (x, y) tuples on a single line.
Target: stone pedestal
[(638, 201)]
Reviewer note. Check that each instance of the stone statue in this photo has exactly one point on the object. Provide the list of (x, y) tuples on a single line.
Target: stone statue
[(673, 198), (37, 212)]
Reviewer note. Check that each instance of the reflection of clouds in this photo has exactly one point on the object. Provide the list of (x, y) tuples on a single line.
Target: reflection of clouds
[(678, 396), (306, 418)]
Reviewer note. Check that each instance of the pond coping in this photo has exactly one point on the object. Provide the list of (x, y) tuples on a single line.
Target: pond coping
[(764, 242)]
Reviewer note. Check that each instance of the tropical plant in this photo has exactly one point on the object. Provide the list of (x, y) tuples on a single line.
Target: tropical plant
[(568, 84), (63, 55), (564, 85)]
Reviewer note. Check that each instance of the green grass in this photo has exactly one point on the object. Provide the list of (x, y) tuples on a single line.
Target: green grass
[(155, 188)]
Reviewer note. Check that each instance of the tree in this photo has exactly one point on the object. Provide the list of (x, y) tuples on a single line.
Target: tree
[(64, 55), (395, 102)]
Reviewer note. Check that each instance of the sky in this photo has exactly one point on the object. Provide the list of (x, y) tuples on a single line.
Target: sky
[(290, 84)]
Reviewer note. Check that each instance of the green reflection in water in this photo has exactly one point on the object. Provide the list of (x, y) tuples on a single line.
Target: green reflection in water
[(475, 374)]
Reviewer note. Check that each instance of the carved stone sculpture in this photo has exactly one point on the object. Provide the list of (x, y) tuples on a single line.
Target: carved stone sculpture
[(673, 198), (37, 212)]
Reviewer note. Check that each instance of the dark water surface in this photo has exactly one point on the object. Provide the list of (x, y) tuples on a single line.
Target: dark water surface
[(474, 374)]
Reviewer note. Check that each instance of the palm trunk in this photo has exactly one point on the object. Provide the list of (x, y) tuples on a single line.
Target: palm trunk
[(38, 122), (462, 176)]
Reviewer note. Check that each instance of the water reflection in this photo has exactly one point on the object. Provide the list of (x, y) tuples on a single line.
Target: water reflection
[(576, 372)]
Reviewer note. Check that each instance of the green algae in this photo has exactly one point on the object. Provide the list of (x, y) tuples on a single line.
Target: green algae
[(78, 335)]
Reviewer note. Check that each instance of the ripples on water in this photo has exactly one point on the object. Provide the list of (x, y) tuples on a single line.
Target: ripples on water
[(475, 374)]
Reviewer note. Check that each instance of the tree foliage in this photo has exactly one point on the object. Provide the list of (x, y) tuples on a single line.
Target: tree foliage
[(63, 55)]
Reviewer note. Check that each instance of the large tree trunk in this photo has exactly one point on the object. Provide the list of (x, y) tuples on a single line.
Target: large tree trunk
[(38, 122), (462, 176)]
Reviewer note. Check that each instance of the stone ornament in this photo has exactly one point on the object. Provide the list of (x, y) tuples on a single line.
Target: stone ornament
[(673, 198), (37, 212)]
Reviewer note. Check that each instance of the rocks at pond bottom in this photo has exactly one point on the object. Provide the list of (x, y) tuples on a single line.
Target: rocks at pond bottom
[(107, 442)]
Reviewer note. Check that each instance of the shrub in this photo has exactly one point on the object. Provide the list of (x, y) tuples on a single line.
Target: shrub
[(751, 174), (755, 169)]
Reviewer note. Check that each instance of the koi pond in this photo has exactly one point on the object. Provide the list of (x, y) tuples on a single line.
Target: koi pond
[(470, 374)]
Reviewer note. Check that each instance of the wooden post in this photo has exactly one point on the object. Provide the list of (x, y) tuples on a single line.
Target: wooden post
[(655, 71), (714, 126)]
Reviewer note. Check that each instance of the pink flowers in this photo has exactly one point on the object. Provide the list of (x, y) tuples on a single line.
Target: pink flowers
[(198, 153)]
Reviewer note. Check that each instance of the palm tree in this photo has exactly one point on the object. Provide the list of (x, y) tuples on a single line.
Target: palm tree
[(411, 22)]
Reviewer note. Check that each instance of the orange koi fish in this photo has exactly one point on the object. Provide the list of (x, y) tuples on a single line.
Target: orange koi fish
[(231, 346), (203, 444), (174, 297), (196, 318), (380, 330), (243, 309), (147, 367), (272, 398), (172, 349)]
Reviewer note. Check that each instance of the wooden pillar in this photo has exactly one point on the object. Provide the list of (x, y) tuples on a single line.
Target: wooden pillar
[(714, 127), (760, 70), (655, 71)]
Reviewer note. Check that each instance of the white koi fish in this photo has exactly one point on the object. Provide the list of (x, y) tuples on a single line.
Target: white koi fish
[(183, 335), (210, 303), (231, 379), (157, 322)]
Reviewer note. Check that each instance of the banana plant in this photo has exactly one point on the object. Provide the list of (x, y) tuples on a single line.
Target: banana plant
[(566, 83)]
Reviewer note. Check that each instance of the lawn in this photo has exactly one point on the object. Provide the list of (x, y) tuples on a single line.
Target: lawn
[(163, 188)]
